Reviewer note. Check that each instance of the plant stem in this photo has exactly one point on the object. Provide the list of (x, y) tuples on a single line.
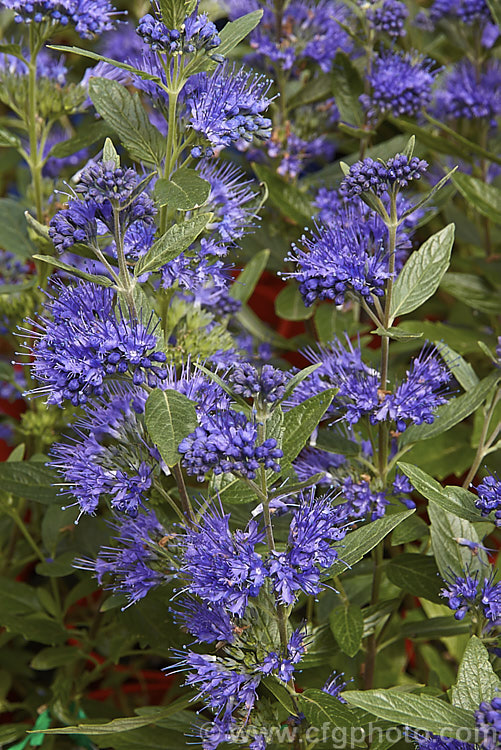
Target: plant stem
[(126, 286), (171, 136), (34, 160), (370, 663), (482, 447), (183, 493)]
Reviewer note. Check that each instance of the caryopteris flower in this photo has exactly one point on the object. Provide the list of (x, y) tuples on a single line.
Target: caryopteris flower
[(228, 106), (489, 497), (389, 17), (139, 562), (268, 385), (84, 340), (222, 566), (110, 458), (488, 721), (231, 199), (89, 17), (195, 33), (466, 11), (400, 85), (283, 665), (209, 623), (379, 177), (469, 93), (337, 259), (470, 594)]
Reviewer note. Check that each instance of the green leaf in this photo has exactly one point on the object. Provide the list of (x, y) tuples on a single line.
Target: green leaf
[(170, 417), (397, 334), (12, 49), (114, 726), (416, 574), (435, 493), (184, 191), (37, 627), (477, 681), (321, 708), (289, 200), (485, 198), (14, 237), (125, 113), (175, 241), (461, 369), (347, 625), (472, 291), (173, 12), (110, 153), (446, 529), (347, 88), (90, 134), (453, 412), (9, 139), (435, 627), (244, 285), (101, 58), (423, 272), (50, 658), (300, 422), (495, 8), (334, 442), (95, 278), (357, 543), (410, 530), (417, 711), (289, 304), (31, 480)]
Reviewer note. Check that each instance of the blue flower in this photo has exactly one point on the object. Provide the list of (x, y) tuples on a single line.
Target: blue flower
[(296, 153), (316, 525), (209, 623), (222, 566), (337, 259), (89, 17), (313, 461), (433, 742), (417, 398), (335, 685), (467, 594), (400, 85), (379, 177), (466, 11), (466, 92), (389, 18), (228, 106), (362, 501), (488, 721), (283, 664), (226, 442), (90, 463), (139, 563), (230, 199), (489, 498), (267, 385), (196, 33), (84, 342)]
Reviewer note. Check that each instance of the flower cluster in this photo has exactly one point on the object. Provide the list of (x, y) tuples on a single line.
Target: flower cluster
[(85, 341), (489, 498), (470, 594), (488, 721), (465, 92), (282, 665), (296, 153), (400, 85), (231, 200), (466, 11), (226, 442), (139, 562), (89, 17), (378, 177), (196, 33), (108, 192), (228, 107), (268, 385), (389, 17)]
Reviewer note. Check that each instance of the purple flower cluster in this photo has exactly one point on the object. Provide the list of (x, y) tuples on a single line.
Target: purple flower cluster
[(466, 11), (316, 525), (84, 341), (283, 665), (139, 562), (228, 106), (267, 385), (337, 259), (226, 442), (296, 153), (469, 594), (196, 33), (467, 93), (379, 177), (94, 469), (89, 17), (489, 498), (107, 191), (389, 17), (230, 199), (488, 721), (400, 85)]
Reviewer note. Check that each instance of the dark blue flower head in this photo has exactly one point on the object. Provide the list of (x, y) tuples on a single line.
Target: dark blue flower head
[(209, 623), (400, 85), (85, 341), (223, 567), (380, 177), (89, 17), (226, 442), (489, 497), (196, 33), (468, 593), (316, 525), (338, 259), (230, 200), (466, 11), (139, 562), (335, 685), (267, 385), (297, 153), (283, 665), (228, 106), (488, 721), (433, 742), (389, 17), (90, 463), (362, 501), (465, 92)]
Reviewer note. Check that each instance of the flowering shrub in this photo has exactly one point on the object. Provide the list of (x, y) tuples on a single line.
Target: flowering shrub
[(293, 512)]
